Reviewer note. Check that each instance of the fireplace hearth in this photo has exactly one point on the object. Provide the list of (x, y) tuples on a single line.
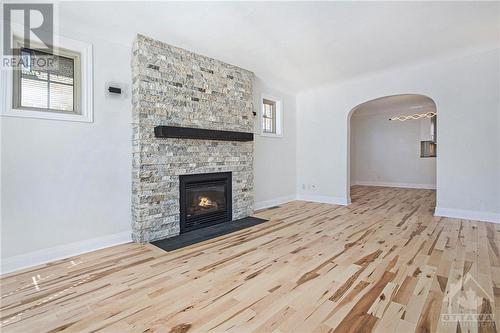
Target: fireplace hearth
[(205, 200)]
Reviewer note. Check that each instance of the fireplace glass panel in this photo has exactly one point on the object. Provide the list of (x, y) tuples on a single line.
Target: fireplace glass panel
[(205, 199)]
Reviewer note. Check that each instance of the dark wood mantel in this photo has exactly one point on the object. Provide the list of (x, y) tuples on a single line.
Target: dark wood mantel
[(200, 134)]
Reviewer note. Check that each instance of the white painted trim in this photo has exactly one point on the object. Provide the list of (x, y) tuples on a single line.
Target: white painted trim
[(86, 115), (35, 258), (279, 116), (390, 184), (274, 202), (467, 214), (323, 199), (270, 135)]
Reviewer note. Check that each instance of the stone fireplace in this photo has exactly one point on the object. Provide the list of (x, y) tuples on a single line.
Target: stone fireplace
[(176, 87)]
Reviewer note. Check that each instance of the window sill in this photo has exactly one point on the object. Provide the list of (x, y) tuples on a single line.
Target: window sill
[(270, 135), (22, 113)]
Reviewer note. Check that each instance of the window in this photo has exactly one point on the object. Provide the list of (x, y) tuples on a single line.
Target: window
[(59, 90), (52, 88), (271, 117)]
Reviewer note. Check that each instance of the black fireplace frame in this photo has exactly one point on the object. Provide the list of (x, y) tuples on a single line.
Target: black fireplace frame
[(208, 219)]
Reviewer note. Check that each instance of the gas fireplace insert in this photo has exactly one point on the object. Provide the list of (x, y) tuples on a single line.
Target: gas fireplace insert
[(205, 199)]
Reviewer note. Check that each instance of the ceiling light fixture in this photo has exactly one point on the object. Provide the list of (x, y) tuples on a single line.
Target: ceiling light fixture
[(414, 116)]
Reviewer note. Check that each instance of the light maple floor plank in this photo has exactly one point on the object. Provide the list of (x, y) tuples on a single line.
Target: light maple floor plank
[(382, 264)]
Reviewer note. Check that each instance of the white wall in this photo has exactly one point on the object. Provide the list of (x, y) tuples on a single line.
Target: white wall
[(275, 157), (66, 182), (466, 93), (387, 153)]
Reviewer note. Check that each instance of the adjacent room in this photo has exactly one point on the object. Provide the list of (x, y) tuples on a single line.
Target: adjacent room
[(393, 142), (250, 166)]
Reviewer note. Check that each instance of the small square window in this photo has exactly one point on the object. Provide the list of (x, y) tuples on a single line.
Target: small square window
[(52, 85), (271, 116), (45, 87)]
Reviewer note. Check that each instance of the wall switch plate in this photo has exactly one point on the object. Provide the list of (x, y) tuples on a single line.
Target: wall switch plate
[(116, 90)]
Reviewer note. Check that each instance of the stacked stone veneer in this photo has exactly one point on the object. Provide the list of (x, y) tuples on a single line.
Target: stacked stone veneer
[(172, 86)]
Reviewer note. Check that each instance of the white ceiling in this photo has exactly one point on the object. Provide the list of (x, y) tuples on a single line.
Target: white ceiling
[(296, 45), (406, 104)]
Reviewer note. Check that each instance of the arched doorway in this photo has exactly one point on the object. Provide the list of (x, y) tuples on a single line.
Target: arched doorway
[(392, 142)]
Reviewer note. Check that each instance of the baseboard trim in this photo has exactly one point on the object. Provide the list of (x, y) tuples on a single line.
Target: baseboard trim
[(15, 263), (402, 185), (274, 202), (323, 199), (467, 214)]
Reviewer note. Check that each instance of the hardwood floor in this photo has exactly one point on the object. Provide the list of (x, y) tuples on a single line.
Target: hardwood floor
[(382, 264)]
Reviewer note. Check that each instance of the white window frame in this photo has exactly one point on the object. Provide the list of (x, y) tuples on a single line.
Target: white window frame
[(279, 116), (85, 107)]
